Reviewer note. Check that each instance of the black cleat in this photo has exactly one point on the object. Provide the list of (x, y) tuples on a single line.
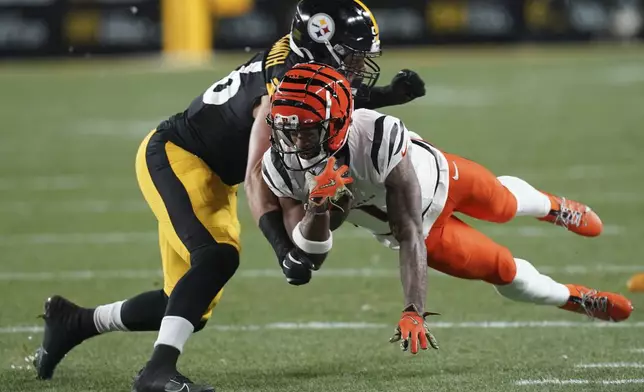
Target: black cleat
[(63, 332), (166, 380)]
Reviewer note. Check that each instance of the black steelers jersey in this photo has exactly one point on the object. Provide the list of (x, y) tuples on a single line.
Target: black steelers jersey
[(216, 126)]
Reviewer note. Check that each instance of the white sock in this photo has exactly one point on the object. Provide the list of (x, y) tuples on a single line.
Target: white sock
[(174, 332), (531, 286), (107, 318), (530, 202)]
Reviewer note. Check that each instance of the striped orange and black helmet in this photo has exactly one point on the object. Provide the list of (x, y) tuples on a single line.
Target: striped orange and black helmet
[(310, 115)]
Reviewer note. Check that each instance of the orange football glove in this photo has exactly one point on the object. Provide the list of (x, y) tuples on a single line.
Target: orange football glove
[(330, 184), (414, 331)]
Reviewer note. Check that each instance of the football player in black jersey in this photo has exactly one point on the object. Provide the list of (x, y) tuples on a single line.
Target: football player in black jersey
[(188, 170)]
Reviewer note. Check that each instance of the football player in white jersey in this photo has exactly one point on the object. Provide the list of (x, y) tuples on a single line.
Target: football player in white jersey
[(326, 159)]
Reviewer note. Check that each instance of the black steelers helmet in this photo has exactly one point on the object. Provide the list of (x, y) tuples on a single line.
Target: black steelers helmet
[(340, 33)]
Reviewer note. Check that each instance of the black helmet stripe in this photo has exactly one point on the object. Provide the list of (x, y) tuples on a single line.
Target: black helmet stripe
[(344, 88), (304, 92), (297, 104), (320, 83), (315, 82)]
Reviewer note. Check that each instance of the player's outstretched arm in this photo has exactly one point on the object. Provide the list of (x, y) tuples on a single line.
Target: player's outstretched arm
[(405, 219), (406, 86), (404, 209)]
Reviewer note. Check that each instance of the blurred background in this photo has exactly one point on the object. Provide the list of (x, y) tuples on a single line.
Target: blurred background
[(551, 91), (82, 27)]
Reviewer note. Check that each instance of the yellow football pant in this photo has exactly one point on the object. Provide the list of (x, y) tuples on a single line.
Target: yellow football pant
[(193, 206)]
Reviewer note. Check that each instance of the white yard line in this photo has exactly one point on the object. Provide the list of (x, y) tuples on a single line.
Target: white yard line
[(47, 276), (607, 171), (21, 329), (543, 231), (556, 381), (605, 268), (611, 365), (552, 381), (78, 275), (95, 206), (610, 198), (325, 325), (622, 381), (532, 231), (129, 129), (139, 128), (458, 97), (626, 75), (102, 206), (66, 182), (45, 183), (537, 324), (78, 238)]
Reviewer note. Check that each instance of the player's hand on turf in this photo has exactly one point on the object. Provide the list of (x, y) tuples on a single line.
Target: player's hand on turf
[(412, 331), (330, 185), (406, 86), (296, 268)]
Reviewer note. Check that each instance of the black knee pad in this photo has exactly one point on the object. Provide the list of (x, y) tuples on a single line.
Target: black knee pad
[(223, 258), (211, 268)]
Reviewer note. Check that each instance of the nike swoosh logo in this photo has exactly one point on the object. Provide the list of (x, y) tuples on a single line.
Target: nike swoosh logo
[(184, 386), (327, 185), (293, 260), (455, 176)]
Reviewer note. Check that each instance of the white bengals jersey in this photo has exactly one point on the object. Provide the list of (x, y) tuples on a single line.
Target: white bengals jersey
[(376, 144)]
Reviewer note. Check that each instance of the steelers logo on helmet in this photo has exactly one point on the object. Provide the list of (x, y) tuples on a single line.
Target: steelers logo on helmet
[(321, 27)]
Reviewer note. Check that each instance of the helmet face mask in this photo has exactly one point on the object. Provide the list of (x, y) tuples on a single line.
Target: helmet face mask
[(301, 147), (310, 115), (359, 67)]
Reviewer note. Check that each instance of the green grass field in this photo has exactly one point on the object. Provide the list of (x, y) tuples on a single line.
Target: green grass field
[(72, 221)]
